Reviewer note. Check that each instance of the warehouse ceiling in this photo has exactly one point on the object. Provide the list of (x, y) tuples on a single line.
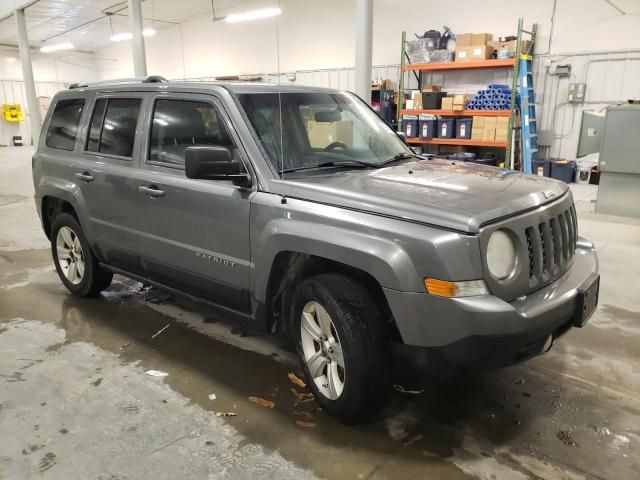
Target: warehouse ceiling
[(88, 25)]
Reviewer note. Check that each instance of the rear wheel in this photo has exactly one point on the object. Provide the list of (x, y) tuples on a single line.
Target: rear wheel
[(75, 263), (343, 346)]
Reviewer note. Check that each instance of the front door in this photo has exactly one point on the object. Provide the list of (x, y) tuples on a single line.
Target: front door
[(193, 234)]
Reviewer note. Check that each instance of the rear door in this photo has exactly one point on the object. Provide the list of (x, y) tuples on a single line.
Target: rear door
[(105, 171), (194, 233)]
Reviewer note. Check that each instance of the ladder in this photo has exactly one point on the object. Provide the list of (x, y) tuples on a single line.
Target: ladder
[(529, 129)]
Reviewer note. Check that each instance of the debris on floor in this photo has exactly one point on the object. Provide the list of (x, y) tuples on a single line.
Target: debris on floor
[(160, 331), (566, 438), (125, 345), (401, 389), (212, 396), (296, 380), (226, 414), (301, 396), (306, 415), (262, 402), (303, 424), (156, 373)]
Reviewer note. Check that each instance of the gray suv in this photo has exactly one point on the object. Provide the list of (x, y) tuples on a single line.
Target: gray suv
[(299, 209)]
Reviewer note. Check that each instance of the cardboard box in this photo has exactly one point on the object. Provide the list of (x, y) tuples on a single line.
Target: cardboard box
[(491, 122), (460, 102), (322, 134), (480, 38), (463, 40), (489, 134), (431, 88), (502, 134), (473, 53), (502, 122), (510, 46), (447, 103), (477, 133), (478, 122), (416, 97)]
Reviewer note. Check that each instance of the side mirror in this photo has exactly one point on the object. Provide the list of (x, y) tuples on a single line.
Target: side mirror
[(209, 162)]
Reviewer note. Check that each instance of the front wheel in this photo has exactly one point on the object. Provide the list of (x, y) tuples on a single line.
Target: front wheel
[(343, 346), (77, 267)]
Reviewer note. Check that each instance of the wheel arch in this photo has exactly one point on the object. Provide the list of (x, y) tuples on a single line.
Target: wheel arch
[(290, 268)]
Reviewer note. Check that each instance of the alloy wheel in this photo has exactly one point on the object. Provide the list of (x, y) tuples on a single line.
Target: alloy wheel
[(322, 350), (70, 255)]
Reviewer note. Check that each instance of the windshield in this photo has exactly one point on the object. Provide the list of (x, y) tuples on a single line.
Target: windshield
[(311, 129)]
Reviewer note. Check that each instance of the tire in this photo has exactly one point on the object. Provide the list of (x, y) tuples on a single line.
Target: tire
[(358, 384), (75, 263)]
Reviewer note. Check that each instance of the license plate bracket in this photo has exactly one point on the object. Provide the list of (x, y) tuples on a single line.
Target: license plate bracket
[(587, 300)]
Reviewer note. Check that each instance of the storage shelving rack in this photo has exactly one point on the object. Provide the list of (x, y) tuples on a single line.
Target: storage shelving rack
[(508, 63)]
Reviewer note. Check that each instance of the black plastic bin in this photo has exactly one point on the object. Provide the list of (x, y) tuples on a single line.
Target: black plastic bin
[(432, 100), (410, 125), (463, 127), (542, 168), (446, 128), (564, 171), (428, 126)]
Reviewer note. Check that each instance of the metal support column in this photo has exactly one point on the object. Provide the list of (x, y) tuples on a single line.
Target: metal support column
[(137, 42), (364, 36), (27, 75)]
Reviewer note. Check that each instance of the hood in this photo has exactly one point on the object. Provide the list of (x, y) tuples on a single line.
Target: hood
[(455, 195)]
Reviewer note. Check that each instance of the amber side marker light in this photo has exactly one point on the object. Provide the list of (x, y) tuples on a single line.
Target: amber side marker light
[(445, 288)]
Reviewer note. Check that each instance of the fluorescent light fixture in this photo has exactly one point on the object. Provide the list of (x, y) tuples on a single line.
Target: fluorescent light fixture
[(253, 15), (120, 37), (56, 47)]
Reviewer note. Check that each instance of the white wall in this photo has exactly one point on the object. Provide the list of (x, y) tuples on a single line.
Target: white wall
[(51, 72)]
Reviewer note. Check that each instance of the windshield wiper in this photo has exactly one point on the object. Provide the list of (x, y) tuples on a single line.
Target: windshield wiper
[(398, 157), (342, 163)]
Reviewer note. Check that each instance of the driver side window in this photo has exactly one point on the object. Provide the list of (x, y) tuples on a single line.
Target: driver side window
[(178, 124)]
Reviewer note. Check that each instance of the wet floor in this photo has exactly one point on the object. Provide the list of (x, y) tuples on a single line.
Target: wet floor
[(75, 401)]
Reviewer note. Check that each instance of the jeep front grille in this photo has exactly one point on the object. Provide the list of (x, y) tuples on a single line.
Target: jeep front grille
[(551, 246)]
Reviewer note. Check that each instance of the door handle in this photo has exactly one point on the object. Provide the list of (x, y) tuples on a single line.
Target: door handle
[(152, 191), (85, 176)]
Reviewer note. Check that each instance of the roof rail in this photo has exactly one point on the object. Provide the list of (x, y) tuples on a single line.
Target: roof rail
[(120, 81)]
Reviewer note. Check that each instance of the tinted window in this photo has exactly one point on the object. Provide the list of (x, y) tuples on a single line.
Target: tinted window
[(113, 126), (178, 124), (64, 124)]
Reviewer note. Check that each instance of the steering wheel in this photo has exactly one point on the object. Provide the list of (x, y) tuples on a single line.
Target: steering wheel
[(334, 145)]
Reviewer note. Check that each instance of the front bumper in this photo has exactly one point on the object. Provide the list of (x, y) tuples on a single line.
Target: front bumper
[(487, 331)]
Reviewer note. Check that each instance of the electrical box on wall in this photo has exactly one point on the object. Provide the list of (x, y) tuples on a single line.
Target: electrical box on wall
[(12, 112), (576, 92), (562, 71)]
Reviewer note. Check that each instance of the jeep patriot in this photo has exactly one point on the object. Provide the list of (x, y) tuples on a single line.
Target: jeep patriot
[(300, 209)]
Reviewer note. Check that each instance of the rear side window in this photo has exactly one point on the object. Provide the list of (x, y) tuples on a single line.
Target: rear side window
[(178, 124), (113, 126), (64, 123)]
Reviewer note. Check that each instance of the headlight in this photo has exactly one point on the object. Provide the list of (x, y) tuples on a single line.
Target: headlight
[(501, 255)]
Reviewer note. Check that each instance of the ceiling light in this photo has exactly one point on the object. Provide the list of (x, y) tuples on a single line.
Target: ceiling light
[(148, 32), (119, 37), (56, 47), (253, 15)]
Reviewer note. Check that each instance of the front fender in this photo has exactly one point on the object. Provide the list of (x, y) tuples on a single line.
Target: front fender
[(381, 258)]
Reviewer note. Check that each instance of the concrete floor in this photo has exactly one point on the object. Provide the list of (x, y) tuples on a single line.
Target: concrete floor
[(75, 401)]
